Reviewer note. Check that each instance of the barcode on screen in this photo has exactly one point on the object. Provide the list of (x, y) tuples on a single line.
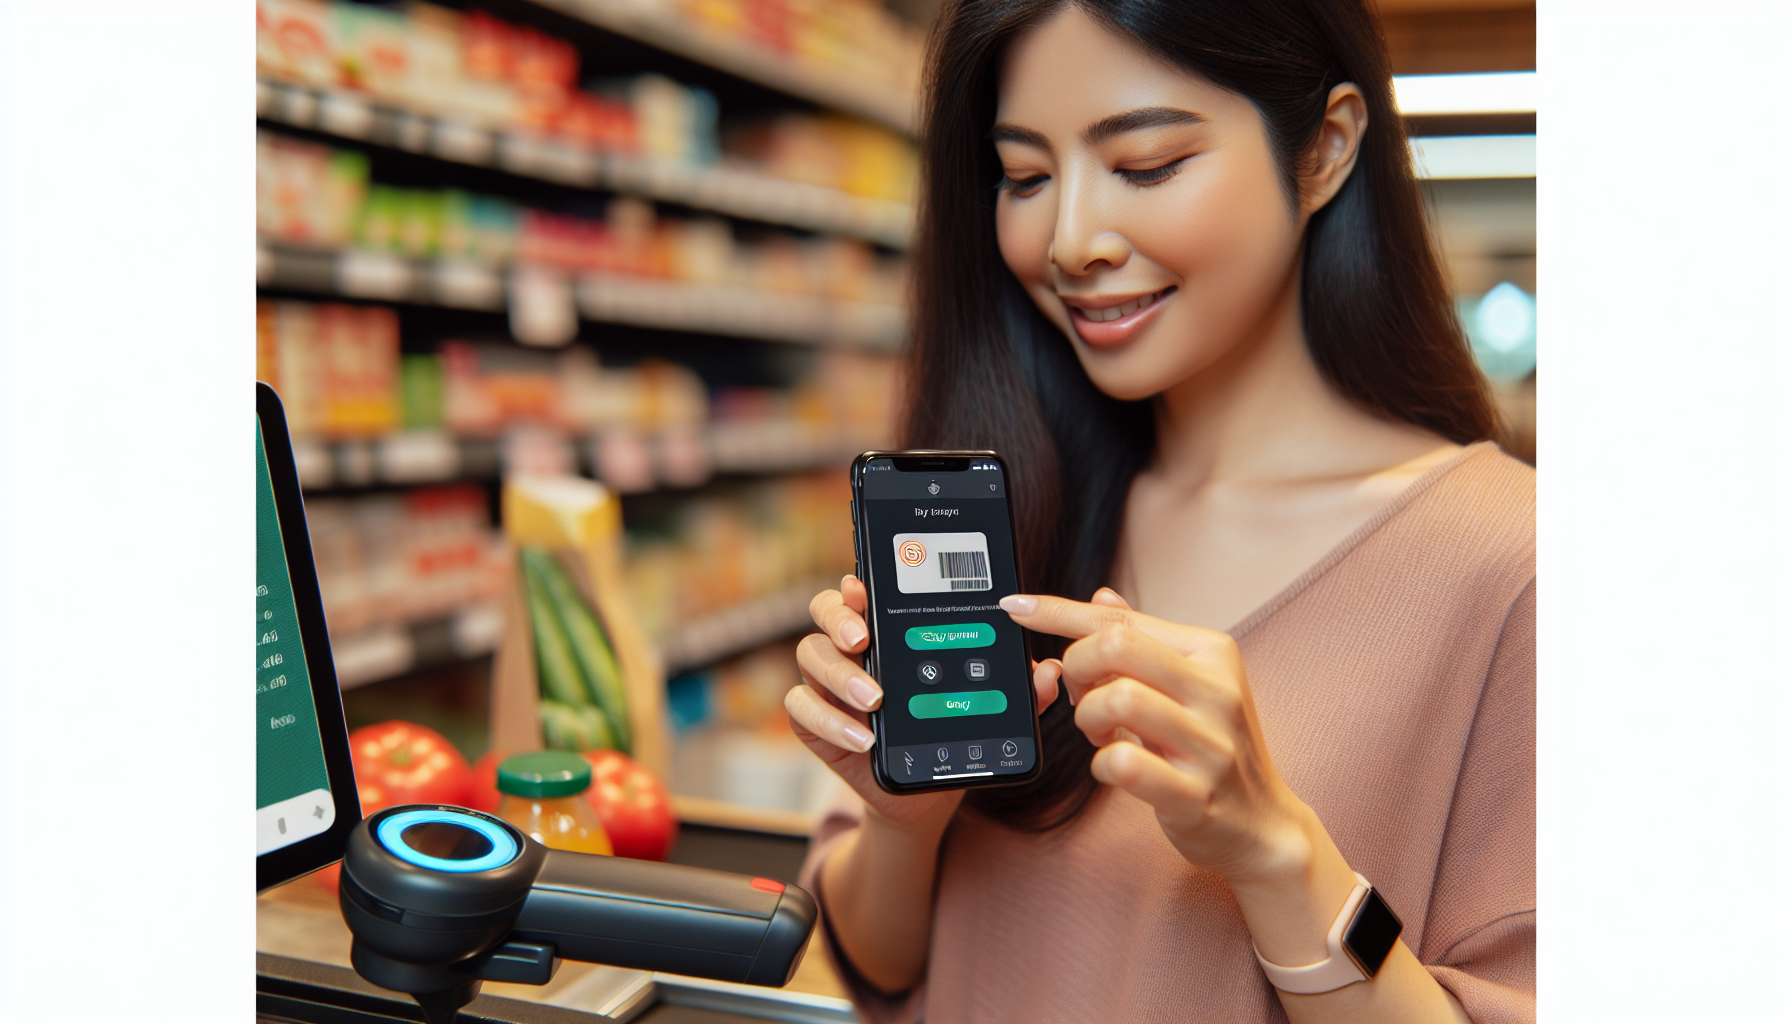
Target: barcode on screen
[(967, 570)]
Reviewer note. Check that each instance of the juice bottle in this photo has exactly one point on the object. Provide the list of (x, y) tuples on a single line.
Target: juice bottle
[(544, 795)]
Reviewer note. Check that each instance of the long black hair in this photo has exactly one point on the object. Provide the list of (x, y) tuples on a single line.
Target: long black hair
[(988, 370)]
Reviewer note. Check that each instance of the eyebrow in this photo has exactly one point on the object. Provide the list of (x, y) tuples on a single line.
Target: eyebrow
[(1004, 132), (1133, 120), (1104, 129)]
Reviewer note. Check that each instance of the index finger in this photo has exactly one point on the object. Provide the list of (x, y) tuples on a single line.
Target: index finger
[(836, 616), (1044, 613)]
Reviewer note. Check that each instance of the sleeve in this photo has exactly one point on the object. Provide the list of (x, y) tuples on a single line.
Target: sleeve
[(842, 817), (1481, 936)]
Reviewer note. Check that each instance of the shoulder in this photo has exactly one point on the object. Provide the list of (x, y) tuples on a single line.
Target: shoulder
[(1474, 516), (1483, 491)]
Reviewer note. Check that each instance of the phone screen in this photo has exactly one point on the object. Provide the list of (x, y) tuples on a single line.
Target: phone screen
[(936, 552)]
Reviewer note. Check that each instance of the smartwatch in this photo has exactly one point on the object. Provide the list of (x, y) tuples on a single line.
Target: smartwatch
[(1357, 945)]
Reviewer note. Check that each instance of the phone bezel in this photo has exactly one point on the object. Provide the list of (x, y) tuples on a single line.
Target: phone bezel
[(307, 855), (870, 661)]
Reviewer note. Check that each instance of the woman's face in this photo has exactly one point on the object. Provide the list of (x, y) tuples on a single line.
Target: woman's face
[(1141, 206)]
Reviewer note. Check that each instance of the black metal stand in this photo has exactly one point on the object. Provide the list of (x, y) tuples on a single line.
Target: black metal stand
[(289, 990)]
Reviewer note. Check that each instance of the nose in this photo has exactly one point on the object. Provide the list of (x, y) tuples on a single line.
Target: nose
[(1082, 241)]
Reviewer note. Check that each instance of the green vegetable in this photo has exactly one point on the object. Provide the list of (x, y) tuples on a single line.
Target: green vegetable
[(595, 727), (581, 728), (590, 648), (561, 728), (553, 654)]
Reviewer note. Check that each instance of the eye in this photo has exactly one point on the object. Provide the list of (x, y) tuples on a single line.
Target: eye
[(1024, 187), (1153, 176)]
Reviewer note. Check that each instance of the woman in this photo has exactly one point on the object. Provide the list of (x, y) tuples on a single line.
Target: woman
[(1172, 263)]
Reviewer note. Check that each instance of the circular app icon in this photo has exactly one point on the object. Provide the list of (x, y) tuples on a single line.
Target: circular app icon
[(913, 552), (929, 671)]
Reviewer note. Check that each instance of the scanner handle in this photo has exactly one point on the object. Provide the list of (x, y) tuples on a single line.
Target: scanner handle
[(668, 917)]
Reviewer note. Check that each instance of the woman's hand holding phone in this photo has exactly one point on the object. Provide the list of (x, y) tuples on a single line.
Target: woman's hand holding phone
[(830, 712)]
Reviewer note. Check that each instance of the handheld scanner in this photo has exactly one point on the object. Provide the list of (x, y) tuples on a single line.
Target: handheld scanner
[(429, 887)]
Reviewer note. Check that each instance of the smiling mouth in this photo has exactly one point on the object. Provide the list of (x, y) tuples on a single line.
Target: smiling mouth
[(1127, 308)]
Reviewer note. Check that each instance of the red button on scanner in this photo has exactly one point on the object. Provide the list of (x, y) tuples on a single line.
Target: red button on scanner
[(768, 885)]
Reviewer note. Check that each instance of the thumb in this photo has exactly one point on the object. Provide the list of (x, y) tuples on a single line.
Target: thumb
[(1110, 596)]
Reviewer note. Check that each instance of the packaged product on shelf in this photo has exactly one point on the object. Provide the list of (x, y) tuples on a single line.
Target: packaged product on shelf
[(742, 750), (312, 195), (857, 37), (306, 193), (743, 543), (479, 69), (295, 40), (396, 559), (834, 152), (422, 392), (671, 121), (335, 366)]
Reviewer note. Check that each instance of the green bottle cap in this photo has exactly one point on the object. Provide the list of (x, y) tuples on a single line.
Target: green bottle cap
[(545, 773)]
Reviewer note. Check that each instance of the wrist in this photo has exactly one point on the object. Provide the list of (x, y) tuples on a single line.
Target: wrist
[(1292, 893), (920, 830)]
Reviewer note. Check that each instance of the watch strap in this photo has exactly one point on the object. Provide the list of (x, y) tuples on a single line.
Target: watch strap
[(1337, 969)]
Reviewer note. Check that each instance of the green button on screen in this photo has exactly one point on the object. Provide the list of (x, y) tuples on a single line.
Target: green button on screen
[(937, 638), (954, 705)]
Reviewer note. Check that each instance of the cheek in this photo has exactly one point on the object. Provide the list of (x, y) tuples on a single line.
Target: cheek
[(1230, 236), (1024, 234)]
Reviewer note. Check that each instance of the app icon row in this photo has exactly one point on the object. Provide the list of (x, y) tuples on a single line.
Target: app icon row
[(975, 670)]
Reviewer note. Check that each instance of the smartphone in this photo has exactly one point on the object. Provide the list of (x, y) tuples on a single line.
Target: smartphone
[(935, 540)]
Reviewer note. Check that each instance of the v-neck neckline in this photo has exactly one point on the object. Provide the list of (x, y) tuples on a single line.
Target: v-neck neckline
[(1351, 541)]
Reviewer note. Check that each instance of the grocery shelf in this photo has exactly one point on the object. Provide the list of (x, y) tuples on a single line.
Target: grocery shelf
[(661, 25), (721, 814), (727, 190), (393, 649), (434, 456), (740, 628), (603, 297)]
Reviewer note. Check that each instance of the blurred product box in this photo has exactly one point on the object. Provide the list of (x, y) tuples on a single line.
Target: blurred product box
[(339, 370), (857, 37), (334, 365), (478, 70), (750, 541), (311, 195), (403, 558), (733, 740)]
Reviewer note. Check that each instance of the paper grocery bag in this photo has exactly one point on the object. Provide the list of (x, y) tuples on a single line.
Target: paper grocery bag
[(580, 523)]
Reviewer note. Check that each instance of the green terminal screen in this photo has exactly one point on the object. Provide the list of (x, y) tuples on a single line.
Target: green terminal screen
[(292, 784)]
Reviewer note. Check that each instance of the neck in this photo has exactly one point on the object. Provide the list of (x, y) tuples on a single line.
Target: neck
[(1262, 413)]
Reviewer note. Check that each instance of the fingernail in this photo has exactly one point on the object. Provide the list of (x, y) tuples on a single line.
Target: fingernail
[(859, 737), (1019, 604), (852, 633), (864, 692)]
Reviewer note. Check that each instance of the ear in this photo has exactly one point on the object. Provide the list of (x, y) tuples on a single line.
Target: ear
[(1333, 154)]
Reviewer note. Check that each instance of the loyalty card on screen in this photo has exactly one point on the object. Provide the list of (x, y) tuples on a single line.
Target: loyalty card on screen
[(934, 563)]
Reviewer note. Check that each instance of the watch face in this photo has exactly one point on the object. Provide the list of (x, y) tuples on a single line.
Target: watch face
[(1371, 934)]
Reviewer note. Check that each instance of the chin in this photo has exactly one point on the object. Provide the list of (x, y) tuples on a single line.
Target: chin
[(1127, 374), (1142, 368)]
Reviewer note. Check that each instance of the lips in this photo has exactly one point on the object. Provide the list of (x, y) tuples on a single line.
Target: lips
[(1117, 323)]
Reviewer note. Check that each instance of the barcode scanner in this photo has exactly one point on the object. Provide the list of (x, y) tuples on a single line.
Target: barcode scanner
[(441, 899)]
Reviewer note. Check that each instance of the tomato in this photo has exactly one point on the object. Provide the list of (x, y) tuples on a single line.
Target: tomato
[(401, 763), (483, 794), (635, 808), (329, 876)]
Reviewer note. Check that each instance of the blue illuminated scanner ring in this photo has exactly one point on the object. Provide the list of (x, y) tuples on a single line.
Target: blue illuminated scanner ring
[(504, 847)]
